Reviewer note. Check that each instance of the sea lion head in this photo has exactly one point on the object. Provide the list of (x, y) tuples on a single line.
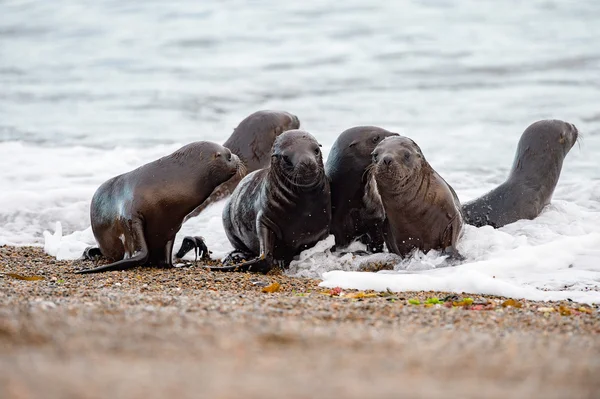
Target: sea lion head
[(253, 138), (297, 157), (544, 145), (395, 159), (275, 122), (222, 163), (356, 144), (544, 136)]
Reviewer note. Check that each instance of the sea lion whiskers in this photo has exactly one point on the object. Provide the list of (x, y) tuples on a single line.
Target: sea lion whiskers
[(241, 170)]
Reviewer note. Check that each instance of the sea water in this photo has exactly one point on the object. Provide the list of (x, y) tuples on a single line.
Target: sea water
[(92, 89)]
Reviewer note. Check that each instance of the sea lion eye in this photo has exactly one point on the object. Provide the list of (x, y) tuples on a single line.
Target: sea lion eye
[(286, 159), (374, 156), (375, 139), (229, 157), (406, 156), (317, 151)]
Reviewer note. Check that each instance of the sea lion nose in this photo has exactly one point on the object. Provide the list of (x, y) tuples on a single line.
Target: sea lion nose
[(387, 160), (306, 161)]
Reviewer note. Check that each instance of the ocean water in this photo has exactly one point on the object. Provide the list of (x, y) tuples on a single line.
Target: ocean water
[(91, 89)]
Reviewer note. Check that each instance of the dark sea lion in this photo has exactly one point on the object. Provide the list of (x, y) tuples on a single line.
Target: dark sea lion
[(420, 210), (346, 164), (277, 212), (252, 141), (135, 216), (535, 172)]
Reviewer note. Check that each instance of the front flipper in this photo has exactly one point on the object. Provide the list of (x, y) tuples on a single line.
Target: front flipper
[(138, 259), (262, 264), (197, 244)]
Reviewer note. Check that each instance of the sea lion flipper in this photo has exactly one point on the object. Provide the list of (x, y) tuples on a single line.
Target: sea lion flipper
[(197, 244), (263, 263), (140, 257), (259, 265), (454, 257), (91, 253)]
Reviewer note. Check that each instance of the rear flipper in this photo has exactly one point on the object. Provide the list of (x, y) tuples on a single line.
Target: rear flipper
[(237, 256), (262, 264), (197, 244), (91, 253), (140, 257), (454, 257)]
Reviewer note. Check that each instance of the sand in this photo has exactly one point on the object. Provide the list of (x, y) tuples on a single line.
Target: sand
[(189, 333)]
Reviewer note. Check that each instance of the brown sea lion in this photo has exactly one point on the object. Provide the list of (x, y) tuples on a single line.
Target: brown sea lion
[(420, 210), (535, 172), (277, 212), (135, 216), (346, 164)]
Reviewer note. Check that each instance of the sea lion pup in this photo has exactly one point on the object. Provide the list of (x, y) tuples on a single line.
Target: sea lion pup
[(421, 210), (135, 216), (346, 164), (277, 212), (252, 141), (535, 172)]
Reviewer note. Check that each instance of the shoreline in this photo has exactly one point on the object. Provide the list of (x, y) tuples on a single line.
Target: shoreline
[(150, 332)]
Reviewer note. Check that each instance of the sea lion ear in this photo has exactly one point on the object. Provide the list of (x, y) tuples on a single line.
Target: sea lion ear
[(320, 145)]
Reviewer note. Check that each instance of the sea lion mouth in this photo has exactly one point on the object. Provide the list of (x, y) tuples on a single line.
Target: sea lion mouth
[(306, 177)]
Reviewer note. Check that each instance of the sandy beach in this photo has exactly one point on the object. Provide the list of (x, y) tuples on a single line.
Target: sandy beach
[(189, 333)]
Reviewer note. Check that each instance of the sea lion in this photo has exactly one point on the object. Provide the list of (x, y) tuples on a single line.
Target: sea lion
[(277, 212), (535, 172), (252, 141), (420, 210), (135, 216), (346, 164)]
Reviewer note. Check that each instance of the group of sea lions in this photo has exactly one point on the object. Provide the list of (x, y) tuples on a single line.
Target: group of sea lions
[(376, 187)]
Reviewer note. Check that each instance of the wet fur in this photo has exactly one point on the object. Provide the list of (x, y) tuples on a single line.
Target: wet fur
[(135, 216), (351, 217), (275, 213), (534, 175), (421, 210)]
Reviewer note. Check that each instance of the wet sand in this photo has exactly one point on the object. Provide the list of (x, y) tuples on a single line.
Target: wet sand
[(189, 333)]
